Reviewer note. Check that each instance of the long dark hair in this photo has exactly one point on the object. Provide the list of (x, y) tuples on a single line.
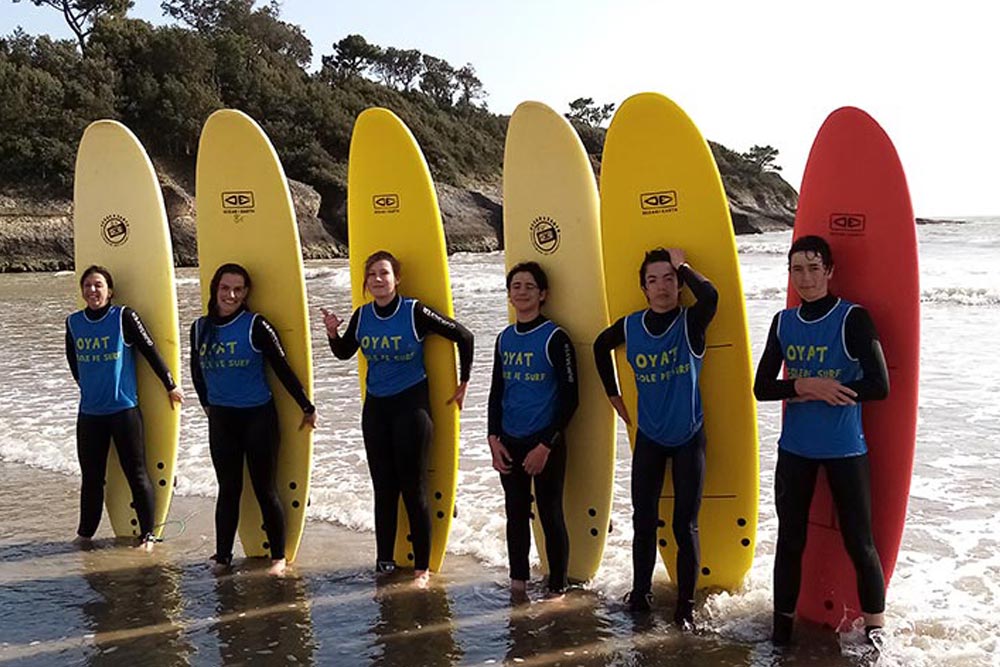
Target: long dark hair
[(213, 288), (207, 335)]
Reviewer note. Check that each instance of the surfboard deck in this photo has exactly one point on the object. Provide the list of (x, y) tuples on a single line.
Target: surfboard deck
[(854, 194), (245, 215), (392, 205), (660, 186), (552, 216), (119, 221)]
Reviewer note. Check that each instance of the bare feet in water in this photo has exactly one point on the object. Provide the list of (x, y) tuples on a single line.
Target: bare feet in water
[(277, 568), (519, 591), (421, 578), (221, 567)]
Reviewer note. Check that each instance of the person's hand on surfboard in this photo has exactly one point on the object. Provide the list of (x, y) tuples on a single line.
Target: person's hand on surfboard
[(535, 461), (619, 405), (176, 396), (459, 396), (501, 457), (308, 419), (827, 390), (332, 323)]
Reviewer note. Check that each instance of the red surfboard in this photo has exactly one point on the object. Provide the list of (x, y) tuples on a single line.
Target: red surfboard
[(854, 195)]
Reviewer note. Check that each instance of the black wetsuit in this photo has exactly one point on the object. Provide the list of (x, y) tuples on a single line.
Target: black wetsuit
[(549, 482), (94, 434), (849, 478), (649, 459), (397, 431), (251, 434)]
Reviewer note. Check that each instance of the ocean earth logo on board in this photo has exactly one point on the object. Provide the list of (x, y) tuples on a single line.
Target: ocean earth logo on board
[(663, 201), (239, 202), (849, 224), (544, 234), (387, 203), (114, 229)]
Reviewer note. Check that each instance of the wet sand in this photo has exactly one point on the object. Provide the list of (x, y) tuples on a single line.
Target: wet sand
[(114, 605)]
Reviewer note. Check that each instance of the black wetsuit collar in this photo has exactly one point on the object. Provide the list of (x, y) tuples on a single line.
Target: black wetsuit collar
[(656, 323), (814, 310), (525, 327), (388, 309), (219, 321), (94, 315)]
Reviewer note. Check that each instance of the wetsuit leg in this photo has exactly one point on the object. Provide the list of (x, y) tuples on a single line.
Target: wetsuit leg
[(376, 427), (261, 439), (225, 445), (649, 464), (412, 430), (517, 503), (689, 480), (549, 500), (850, 486), (794, 483), (127, 432), (93, 438)]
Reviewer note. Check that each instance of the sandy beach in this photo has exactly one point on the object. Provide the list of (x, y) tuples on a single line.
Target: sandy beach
[(114, 605)]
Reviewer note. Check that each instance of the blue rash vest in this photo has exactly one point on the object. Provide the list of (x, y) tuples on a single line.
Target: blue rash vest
[(529, 383), (393, 350), (105, 363), (666, 379), (814, 429), (232, 367)]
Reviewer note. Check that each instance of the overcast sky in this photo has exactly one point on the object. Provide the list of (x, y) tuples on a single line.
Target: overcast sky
[(746, 72)]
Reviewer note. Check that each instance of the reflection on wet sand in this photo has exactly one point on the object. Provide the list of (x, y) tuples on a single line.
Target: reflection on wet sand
[(135, 612), (263, 618)]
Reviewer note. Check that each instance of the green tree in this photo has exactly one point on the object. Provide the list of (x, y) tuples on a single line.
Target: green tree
[(584, 110), (51, 93), (352, 56), (398, 68), (263, 26), (470, 88), (438, 81), (763, 158), (82, 15)]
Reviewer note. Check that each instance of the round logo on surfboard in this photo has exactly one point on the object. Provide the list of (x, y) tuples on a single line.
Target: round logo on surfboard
[(545, 235), (114, 229)]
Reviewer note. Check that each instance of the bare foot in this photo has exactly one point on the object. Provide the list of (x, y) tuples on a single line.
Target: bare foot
[(519, 591), (221, 567), (82, 541), (554, 596), (146, 544), (421, 578), (277, 568)]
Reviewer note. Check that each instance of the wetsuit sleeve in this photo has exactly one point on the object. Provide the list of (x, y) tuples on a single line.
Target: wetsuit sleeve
[(138, 336), (494, 413), (563, 358), (71, 354), (196, 377), (863, 344), (604, 346), (344, 346), (265, 339), (766, 385), (427, 320), (706, 303)]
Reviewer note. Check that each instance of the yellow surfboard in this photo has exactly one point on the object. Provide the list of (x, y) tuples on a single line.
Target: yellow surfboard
[(391, 205), (660, 186), (245, 215), (119, 222), (552, 216)]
